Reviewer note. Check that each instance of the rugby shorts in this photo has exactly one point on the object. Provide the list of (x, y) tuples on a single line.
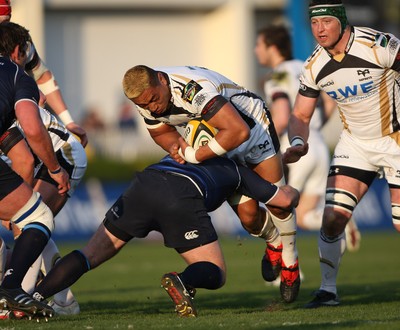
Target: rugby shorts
[(164, 202), (381, 155)]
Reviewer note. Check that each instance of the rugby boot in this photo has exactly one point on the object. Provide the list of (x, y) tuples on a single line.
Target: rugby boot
[(180, 295), (290, 282), (19, 300), (271, 263), (323, 298)]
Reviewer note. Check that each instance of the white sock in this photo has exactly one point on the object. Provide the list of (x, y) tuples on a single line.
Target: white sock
[(268, 232), (31, 276), (330, 254), (51, 255), (287, 232)]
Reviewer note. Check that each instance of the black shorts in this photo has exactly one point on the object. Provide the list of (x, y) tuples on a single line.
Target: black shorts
[(9, 180), (167, 203)]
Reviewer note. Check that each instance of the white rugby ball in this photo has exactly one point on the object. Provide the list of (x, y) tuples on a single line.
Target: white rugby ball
[(198, 133)]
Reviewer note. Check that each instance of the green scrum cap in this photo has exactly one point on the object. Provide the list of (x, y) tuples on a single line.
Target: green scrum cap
[(332, 8)]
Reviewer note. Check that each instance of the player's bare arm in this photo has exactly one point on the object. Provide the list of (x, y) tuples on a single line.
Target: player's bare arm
[(299, 128), (39, 140), (22, 161), (56, 102), (280, 111), (232, 132), (287, 198), (166, 137)]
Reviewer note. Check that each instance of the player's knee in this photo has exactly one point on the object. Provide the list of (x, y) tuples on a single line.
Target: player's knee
[(34, 214), (339, 207), (396, 216), (216, 276)]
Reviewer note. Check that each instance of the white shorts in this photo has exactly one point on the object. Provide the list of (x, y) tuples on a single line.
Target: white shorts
[(260, 145), (74, 154), (377, 155), (309, 174)]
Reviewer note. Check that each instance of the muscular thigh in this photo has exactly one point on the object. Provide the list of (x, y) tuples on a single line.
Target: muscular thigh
[(50, 195), (270, 169), (348, 184), (210, 252)]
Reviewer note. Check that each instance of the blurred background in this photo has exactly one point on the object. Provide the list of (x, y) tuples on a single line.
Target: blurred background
[(89, 45)]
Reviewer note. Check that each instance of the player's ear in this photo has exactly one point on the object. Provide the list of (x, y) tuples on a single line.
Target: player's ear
[(161, 78), (15, 54)]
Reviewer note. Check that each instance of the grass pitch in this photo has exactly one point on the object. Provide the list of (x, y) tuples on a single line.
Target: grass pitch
[(125, 292)]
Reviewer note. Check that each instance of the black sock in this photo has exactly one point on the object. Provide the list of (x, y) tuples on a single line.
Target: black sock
[(202, 274), (65, 273), (28, 247)]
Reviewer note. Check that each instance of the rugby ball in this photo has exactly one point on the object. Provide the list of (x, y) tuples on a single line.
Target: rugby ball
[(198, 133)]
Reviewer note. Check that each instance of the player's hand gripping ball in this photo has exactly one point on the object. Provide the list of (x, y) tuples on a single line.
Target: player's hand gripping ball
[(198, 133)]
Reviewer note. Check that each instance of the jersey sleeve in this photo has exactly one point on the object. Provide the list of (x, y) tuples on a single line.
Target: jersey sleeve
[(254, 186), (26, 88), (387, 49), (307, 87), (274, 88)]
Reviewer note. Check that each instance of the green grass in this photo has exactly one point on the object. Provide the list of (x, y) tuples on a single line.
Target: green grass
[(125, 293)]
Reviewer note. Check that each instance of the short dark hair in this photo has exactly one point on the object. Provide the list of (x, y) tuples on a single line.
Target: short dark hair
[(279, 36), (12, 35)]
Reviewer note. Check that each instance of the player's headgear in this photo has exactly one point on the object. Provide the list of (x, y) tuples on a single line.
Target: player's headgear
[(5, 8), (332, 8)]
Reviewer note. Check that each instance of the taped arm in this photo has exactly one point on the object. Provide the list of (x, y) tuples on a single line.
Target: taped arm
[(49, 87)]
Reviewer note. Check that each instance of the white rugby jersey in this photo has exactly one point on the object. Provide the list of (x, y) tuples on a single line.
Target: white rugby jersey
[(60, 137), (199, 92), (362, 82), (284, 82), (58, 133)]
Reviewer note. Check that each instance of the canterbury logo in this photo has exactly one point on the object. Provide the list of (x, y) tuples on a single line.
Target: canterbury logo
[(8, 272), (191, 234)]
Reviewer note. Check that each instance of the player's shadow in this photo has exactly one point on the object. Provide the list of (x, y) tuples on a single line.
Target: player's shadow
[(209, 302)]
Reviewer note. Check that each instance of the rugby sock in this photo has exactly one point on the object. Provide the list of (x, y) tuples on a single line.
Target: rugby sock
[(268, 232), (65, 272), (28, 247), (30, 279), (287, 232), (331, 250), (51, 255), (202, 274)]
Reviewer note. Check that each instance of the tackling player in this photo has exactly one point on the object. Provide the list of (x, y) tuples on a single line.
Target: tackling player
[(173, 199)]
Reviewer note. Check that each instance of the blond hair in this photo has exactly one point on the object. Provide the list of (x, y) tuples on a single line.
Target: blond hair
[(137, 79)]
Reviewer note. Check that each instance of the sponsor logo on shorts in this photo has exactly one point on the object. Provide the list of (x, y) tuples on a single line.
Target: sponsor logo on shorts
[(264, 145), (9, 272), (191, 234), (114, 211)]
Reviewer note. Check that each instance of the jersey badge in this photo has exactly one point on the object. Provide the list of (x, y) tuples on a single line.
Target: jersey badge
[(190, 90)]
